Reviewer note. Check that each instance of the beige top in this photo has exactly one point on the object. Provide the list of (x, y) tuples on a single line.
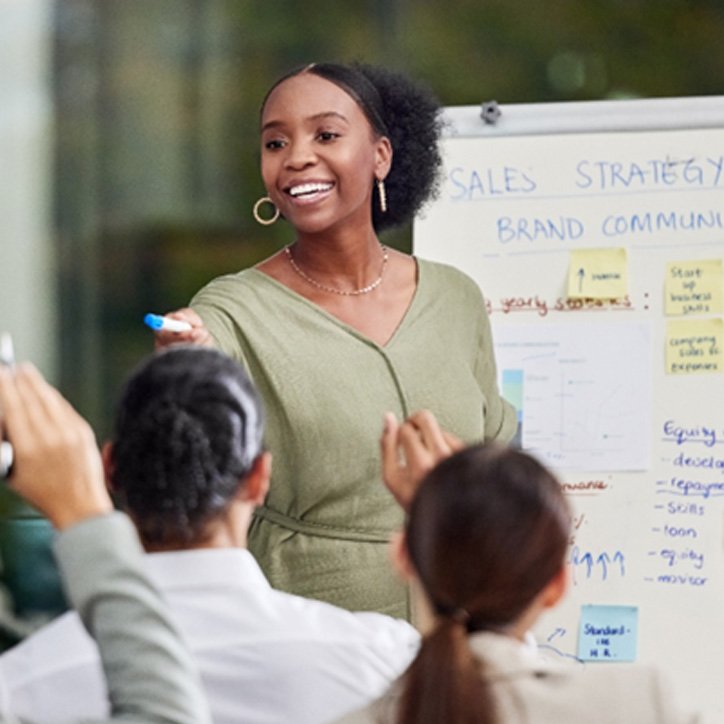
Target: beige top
[(531, 690)]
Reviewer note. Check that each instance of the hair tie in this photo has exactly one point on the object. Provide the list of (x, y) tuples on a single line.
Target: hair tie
[(456, 614), (460, 616)]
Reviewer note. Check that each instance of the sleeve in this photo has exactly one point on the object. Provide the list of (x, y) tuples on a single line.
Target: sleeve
[(214, 304), (151, 676), (501, 419)]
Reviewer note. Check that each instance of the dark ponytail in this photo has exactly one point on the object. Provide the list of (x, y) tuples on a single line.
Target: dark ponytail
[(445, 681), (487, 531)]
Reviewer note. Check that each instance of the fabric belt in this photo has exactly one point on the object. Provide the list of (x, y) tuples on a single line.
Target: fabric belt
[(319, 529)]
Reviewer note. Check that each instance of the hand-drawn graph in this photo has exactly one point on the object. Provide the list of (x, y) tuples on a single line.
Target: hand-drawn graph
[(582, 404)]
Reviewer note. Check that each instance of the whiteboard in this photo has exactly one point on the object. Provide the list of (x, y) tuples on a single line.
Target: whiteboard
[(640, 450)]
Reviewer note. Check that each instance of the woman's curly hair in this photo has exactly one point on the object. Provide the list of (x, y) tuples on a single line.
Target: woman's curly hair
[(409, 115)]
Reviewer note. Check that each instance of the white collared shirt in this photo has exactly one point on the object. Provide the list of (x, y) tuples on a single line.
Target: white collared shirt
[(265, 656)]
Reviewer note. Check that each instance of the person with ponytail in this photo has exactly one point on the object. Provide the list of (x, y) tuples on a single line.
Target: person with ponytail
[(186, 463), (337, 328), (486, 543)]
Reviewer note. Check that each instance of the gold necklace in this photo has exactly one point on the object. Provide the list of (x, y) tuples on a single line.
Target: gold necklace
[(332, 290)]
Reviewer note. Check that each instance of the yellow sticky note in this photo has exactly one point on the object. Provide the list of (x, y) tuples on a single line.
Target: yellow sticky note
[(694, 287), (694, 346), (598, 273)]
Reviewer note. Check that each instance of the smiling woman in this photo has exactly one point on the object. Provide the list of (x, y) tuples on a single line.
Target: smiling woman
[(337, 329)]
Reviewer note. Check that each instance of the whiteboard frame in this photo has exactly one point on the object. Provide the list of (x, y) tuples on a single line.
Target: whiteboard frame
[(679, 647), (536, 119)]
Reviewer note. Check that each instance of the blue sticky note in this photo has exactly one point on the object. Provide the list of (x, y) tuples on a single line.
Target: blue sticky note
[(608, 633)]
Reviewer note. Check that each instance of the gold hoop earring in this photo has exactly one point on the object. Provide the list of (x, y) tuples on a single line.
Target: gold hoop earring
[(261, 219), (383, 195)]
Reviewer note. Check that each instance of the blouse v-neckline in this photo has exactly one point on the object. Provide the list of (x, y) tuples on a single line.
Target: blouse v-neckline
[(336, 320)]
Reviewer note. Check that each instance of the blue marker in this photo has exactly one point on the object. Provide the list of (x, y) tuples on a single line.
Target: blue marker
[(158, 323)]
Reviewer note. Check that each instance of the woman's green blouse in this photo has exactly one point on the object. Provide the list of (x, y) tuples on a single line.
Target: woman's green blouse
[(324, 527)]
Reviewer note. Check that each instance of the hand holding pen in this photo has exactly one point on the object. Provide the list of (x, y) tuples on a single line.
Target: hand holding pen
[(182, 326)]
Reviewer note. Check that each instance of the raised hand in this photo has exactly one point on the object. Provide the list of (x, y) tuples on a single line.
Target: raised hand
[(198, 334), (410, 450), (57, 465)]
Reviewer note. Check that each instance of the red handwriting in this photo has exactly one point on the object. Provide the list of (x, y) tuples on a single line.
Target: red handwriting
[(518, 304), (585, 486), (570, 304), (561, 304)]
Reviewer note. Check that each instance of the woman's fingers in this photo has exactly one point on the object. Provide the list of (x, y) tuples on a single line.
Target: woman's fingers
[(198, 334), (410, 450), (57, 466), (430, 432), (394, 472), (454, 443), (418, 456)]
